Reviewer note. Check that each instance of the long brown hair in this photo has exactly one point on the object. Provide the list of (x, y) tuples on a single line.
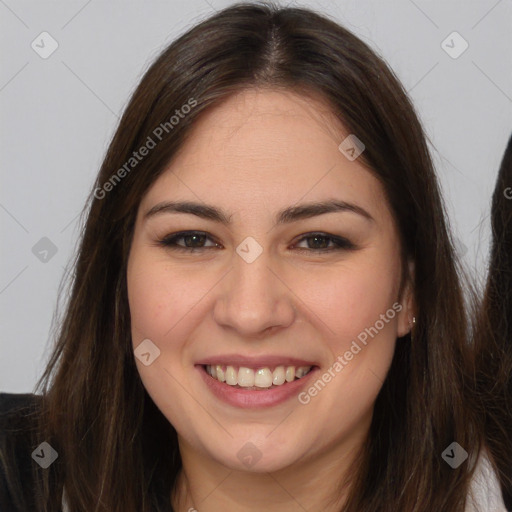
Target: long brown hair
[(116, 449), (493, 334)]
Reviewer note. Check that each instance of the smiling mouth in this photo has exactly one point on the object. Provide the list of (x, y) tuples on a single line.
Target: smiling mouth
[(261, 379)]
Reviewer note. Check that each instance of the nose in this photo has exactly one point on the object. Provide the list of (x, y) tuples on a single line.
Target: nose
[(254, 299)]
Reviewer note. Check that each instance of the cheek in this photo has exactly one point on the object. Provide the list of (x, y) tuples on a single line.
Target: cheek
[(355, 306), (348, 300), (160, 297), (161, 300)]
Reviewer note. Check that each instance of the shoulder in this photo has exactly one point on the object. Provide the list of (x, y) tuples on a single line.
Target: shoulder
[(18, 412), (485, 492), (14, 403), (17, 422)]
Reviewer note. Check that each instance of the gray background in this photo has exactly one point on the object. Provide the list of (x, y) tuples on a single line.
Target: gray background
[(59, 113)]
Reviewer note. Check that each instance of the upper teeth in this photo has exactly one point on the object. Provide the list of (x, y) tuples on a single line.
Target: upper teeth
[(261, 378)]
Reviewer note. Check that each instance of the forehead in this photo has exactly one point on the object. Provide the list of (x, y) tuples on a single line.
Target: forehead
[(265, 125), (264, 147)]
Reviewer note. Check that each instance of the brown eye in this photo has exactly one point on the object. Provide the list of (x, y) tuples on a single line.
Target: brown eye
[(323, 242), (193, 240)]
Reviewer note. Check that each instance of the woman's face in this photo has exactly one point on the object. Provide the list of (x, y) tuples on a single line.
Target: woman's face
[(261, 296)]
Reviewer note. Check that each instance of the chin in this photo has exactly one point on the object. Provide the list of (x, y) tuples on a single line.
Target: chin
[(254, 457)]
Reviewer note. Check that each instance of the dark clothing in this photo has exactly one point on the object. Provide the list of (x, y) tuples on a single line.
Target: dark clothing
[(17, 467)]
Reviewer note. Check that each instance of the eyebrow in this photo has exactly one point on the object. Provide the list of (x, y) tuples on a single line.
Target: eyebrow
[(285, 216)]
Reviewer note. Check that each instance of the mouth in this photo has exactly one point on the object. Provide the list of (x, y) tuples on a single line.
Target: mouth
[(245, 384), (256, 379)]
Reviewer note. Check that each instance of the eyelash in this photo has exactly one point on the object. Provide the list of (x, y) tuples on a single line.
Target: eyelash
[(169, 242)]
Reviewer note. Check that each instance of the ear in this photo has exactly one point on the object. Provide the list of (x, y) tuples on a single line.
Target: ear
[(406, 300)]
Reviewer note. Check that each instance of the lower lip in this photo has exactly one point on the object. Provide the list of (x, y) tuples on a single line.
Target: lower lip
[(252, 399)]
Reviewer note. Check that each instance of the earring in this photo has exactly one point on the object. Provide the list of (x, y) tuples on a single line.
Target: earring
[(412, 327)]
